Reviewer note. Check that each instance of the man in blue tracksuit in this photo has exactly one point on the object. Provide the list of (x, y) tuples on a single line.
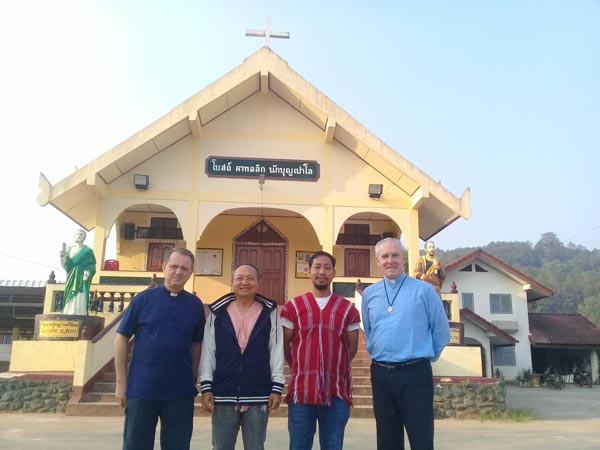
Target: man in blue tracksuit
[(241, 368)]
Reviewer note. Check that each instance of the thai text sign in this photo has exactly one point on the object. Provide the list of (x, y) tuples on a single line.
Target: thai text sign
[(59, 328), (280, 169)]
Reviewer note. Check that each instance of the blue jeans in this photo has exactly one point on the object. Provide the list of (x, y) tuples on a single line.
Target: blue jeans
[(302, 424), (226, 423), (176, 423)]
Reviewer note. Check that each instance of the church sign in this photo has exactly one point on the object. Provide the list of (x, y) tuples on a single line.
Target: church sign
[(274, 169), (58, 329)]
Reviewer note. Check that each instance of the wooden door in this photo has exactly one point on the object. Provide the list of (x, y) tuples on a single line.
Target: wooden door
[(157, 254), (270, 260)]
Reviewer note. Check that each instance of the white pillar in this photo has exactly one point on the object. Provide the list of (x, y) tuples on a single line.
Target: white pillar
[(594, 364)]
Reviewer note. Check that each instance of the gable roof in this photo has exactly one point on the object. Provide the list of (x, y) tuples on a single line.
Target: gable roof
[(78, 195), (562, 330), (497, 336), (533, 289)]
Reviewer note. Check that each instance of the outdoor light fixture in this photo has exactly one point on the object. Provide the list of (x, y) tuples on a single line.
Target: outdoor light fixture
[(375, 190), (141, 181)]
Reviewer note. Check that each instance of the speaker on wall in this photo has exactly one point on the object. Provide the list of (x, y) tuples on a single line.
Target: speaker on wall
[(129, 231)]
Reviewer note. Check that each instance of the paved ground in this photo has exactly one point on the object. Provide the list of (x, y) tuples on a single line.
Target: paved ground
[(566, 420)]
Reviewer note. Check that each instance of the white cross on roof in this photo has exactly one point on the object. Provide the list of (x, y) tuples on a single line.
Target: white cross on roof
[(267, 33)]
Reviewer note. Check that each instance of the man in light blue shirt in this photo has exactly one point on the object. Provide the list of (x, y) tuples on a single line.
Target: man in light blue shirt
[(406, 329)]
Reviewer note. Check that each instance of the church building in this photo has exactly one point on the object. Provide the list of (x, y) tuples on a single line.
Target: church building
[(258, 167)]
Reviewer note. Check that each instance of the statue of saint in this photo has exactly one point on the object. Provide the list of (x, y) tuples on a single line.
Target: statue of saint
[(80, 264), (429, 269)]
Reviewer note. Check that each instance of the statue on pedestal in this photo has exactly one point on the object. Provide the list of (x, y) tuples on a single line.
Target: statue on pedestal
[(80, 263), (429, 269)]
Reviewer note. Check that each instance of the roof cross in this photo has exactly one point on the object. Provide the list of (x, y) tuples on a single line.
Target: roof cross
[(267, 33)]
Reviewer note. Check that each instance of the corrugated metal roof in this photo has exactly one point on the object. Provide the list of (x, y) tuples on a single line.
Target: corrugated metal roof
[(22, 283), (562, 329)]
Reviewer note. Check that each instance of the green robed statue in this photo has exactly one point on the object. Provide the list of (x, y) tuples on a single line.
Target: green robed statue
[(79, 262)]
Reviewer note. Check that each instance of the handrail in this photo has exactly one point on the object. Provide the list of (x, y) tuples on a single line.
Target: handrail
[(107, 328)]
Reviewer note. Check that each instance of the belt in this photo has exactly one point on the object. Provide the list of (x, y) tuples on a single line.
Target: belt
[(397, 365)]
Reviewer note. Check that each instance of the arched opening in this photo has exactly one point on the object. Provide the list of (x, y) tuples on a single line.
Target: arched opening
[(145, 234), (265, 247), (356, 240), (269, 238)]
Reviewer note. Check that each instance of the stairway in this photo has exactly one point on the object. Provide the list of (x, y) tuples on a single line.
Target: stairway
[(100, 399)]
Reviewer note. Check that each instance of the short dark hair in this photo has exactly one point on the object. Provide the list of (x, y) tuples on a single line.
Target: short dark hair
[(321, 253), (258, 274), (181, 251)]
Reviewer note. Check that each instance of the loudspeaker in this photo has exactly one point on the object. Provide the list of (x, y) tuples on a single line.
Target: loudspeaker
[(129, 231)]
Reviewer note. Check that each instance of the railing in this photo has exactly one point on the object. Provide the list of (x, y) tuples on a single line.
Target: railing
[(103, 298)]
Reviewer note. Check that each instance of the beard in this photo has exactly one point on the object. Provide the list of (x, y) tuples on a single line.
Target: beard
[(321, 285)]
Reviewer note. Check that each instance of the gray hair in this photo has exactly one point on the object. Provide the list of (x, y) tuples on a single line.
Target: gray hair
[(181, 251), (386, 240)]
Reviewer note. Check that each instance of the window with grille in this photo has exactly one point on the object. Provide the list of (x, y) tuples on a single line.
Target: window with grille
[(500, 304), (468, 300), (503, 355)]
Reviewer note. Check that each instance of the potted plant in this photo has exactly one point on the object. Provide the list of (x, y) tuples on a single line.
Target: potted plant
[(524, 377)]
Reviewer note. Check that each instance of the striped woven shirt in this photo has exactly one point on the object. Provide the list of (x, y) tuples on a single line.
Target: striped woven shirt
[(320, 363)]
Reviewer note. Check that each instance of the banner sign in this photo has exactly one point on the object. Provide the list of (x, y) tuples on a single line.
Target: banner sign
[(274, 169)]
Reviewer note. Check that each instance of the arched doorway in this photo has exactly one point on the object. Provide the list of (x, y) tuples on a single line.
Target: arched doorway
[(472, 342), (263, 246)]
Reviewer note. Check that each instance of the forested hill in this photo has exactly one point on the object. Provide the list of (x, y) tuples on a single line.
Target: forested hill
[(571, 271)]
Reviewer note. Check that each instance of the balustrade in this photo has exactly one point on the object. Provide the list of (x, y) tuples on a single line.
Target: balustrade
[(100, 300)]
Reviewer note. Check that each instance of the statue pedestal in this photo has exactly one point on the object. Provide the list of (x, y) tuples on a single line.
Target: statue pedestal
[(66, 327), (457, 333)]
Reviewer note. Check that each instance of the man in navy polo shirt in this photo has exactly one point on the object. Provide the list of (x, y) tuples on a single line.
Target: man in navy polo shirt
[(167, 324)]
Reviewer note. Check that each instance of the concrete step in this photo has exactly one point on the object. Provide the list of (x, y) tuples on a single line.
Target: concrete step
[(358, 389), (100, 409), (109, 377), (361, 371), (99, 397), (101, 402), (104, 386), (111, 409)]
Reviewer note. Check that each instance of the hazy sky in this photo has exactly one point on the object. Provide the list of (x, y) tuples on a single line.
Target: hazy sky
[(499, 96)]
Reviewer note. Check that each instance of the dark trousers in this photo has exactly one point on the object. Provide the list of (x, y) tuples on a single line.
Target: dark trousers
[(403, 399), (176, 423)]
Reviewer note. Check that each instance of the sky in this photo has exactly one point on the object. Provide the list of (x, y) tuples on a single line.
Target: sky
[(499, 96)]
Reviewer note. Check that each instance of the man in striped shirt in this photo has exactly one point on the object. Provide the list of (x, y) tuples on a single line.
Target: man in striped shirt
[(320, 340)]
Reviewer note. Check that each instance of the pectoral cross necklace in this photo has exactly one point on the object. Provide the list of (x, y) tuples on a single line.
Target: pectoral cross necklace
[(390, 307)]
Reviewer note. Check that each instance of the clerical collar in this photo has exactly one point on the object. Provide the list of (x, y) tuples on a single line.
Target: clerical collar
[(171, 294), (399, 279)]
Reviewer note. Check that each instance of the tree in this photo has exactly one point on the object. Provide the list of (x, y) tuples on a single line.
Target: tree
[(590, 308)]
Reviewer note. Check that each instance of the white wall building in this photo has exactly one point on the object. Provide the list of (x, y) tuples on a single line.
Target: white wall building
[(498, 294)]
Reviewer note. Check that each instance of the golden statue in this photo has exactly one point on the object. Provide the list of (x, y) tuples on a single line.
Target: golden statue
[(429, 269)]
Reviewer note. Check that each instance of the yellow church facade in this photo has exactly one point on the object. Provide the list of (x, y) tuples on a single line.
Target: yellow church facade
[(257, 167)]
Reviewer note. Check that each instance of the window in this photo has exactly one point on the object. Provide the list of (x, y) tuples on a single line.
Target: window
[(466, 269), (478, 268), (500, 304), (160, 228), (503, 355), (468, 300)]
